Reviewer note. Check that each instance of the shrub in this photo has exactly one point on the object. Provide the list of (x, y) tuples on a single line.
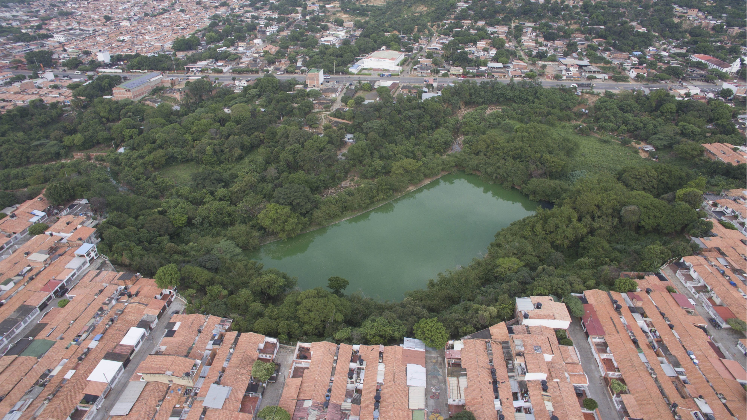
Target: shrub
[(623, 285), (463, 415), (273, 413), (727, 225), (737, 324), (617, 387), (38, 229), (63, 302), (590, 404)]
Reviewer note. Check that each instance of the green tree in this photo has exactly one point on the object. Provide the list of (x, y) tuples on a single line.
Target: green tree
[(431, 332), (575, 306), (63, 302), (624, 285), (337, 284), (280, 220), (59, 193), (273, 413), (671, 289), (168, 276), (36, 59), (590, 404), (700, 228), (726, 93), (382, 330), (38, 229), (690, 196), (262, 371), (737, 324)]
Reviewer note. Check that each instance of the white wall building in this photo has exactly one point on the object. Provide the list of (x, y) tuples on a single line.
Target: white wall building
[(380, 60)]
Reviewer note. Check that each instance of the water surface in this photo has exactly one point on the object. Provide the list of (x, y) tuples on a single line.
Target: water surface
[(400, 245)]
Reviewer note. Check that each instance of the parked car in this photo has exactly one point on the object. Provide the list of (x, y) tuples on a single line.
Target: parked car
[(714, 323)]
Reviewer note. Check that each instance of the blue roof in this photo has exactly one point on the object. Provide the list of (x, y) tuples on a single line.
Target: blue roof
[(135, 83), (83, 249)]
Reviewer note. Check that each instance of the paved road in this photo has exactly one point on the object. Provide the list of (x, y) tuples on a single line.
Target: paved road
[(147, 347), (436, 395), (598, 85), (596, 390), (274, 391), (727, 338)]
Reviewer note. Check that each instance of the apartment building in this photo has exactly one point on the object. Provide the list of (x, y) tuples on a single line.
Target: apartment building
[(315, 78)]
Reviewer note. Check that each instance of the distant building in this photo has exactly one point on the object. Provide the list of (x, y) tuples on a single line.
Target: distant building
[(315, 78), (103, 56), (715, 63), (725, 153), (380, 60), (137, 88)]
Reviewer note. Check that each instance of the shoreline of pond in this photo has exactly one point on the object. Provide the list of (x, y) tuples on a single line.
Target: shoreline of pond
[(411, 188)]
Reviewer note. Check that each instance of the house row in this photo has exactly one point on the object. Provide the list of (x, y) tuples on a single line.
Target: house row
[(655, 357)]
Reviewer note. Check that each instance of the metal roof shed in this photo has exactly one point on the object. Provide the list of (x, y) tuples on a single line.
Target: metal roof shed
[(105, 371), (416, 398), (76, 263), (133, 336), (216, 396), (128, 398), (83, 249)]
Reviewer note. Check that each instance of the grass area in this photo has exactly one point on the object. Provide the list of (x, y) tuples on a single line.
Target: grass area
[(181, 174), (597, 155)]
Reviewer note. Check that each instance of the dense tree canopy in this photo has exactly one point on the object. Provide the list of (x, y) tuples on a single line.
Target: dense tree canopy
[(198, 187)]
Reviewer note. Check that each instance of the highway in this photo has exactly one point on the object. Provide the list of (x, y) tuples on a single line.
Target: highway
[(408, 79)]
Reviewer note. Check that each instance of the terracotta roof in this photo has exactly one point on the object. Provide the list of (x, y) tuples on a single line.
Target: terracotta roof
[(156, 363), (316, 380)]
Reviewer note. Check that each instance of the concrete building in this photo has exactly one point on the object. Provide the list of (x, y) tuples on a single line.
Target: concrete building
[(315, 78), (715, 63), (542, 311), (103, 56), (137, 88), (386, 60)]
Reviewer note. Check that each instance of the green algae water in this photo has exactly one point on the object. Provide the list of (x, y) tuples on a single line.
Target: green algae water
[(399, 246)]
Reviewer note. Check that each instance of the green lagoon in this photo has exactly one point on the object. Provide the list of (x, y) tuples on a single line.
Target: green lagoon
[(401, 245)]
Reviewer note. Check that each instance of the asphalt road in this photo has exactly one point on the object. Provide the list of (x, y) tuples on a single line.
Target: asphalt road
[(408, 79), (596, 389)]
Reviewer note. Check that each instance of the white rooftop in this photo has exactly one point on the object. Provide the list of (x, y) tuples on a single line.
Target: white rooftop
[(105, 371)]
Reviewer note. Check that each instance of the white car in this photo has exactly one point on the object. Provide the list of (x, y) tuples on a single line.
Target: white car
[(77, 72), (573, 85)]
